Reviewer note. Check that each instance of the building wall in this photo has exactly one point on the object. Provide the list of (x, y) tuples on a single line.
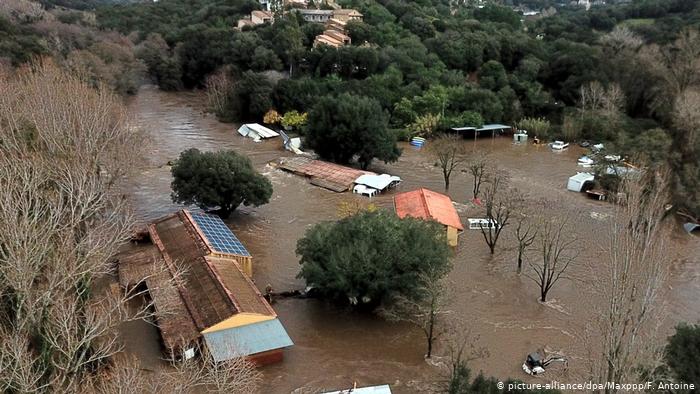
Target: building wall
[(451, 236), (267, 358)]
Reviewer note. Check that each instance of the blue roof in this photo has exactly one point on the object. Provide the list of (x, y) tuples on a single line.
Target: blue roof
[(246, 340), (219, 236)]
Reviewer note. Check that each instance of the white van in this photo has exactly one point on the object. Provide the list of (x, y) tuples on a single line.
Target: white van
[(478, 224)]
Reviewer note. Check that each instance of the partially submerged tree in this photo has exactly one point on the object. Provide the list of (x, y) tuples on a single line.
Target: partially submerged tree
[(500, 202), (539, 127), (218, 180), (478, 166), (372, 257), (347, 126), (425, 311), (682, 356), (449, 151), (630, 289), (558, 251), (525, 233), (425, 125)]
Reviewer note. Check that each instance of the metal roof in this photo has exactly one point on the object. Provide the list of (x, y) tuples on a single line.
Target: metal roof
[(379, 182), (427, 204), (383, 389), (247, 340), (255, 130), (486, 127), (218, 235)]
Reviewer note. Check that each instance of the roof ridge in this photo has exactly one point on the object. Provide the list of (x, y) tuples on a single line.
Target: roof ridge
[(424, 200)]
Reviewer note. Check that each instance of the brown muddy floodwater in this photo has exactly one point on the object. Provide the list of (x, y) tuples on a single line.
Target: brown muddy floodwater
[(334, 348)]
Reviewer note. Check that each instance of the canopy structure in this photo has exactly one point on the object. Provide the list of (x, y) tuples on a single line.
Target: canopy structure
[(379, 182), (491, 127), (256, 131)]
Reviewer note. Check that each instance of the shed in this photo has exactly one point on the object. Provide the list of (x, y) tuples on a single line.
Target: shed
[(214, 299), (427, 204), (577, 181), (256, 131)]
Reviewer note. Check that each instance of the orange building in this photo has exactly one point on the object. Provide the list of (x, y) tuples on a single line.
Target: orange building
[(427, 204)]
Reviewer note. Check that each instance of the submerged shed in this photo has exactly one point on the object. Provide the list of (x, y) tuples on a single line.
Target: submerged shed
[(215, 302), (256, 131), (427, 204)]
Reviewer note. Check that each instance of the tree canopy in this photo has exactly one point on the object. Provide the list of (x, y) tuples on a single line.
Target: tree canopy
[(347, 126), (370, 257), (683, 353), (218, 180)]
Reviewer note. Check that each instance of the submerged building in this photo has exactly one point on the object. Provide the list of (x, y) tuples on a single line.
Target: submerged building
[(198, 275), (427, 204)]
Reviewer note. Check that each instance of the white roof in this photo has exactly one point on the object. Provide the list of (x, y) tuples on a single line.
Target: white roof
[(383, 389), (379, 182), (257, 131), (582, 177)]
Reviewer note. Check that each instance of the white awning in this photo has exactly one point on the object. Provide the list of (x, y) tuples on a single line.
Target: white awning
[(379, 182)]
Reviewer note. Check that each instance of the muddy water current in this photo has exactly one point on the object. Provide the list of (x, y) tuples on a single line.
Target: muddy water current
[(333, 347)]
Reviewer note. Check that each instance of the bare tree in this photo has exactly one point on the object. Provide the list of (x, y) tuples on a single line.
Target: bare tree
[(609, 100), (424, 310), (449, 151), (478, 167), (463, 347), (525, 233), (218, 86), (631, 286), (558, 251), (500, 202), (236, 375), (65, 149)]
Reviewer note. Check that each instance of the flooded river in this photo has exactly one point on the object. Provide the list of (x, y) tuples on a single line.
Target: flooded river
[(334, 348)]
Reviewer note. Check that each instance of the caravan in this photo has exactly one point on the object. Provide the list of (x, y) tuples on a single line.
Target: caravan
[(478, 224)]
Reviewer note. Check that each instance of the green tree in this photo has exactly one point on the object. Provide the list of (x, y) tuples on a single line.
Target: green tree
[(222, 180), (346, 126), (492, 75), (538, 127), (683, 353), (251, 97), (372, 257)]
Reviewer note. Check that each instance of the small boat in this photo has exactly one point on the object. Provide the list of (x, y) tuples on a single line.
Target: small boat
[(584, 144), (418, 142), (559, 145), (585, 161)]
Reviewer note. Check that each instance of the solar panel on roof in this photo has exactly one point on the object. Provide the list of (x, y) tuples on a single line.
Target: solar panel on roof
[(220, 237)]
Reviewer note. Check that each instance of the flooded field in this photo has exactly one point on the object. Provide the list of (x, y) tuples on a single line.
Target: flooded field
[(334, 348)]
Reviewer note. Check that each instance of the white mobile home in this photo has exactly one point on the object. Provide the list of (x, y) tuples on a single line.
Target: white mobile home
[(577, 181)]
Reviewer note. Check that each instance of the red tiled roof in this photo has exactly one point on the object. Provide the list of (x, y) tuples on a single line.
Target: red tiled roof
[(427, 204)]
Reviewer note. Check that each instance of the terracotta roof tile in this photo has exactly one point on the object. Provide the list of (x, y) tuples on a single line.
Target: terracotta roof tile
[(427, 204)]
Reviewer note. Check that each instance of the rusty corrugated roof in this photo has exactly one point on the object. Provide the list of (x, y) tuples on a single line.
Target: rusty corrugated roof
[(212, 289), (427, 204)]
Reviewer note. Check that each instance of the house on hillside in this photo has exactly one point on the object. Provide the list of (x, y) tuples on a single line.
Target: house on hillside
[(198, 275), (323, 16), (345, 15), (256, 18), (427, 204)]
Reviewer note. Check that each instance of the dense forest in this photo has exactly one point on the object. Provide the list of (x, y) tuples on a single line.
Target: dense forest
[(625, 74)]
